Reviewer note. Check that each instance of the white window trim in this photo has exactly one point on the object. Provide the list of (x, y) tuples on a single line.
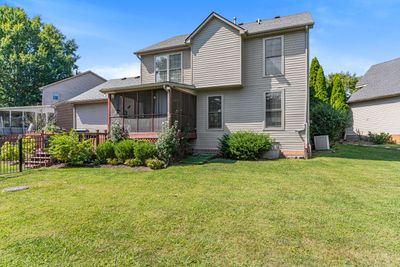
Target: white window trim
[(222, 114), (167, 55), (283, 56), (282, 90)]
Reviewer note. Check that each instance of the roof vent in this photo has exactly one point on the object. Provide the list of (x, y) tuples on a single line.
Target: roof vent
[(137, 77), (258, 21), (123, 78), (241, 23), (277, 17), (234, 20)]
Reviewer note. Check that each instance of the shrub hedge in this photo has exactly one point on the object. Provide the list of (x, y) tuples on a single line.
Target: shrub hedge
[(328, 121), (244, 145), (125, 149), (105, 151), (145, 150), (381, 138)]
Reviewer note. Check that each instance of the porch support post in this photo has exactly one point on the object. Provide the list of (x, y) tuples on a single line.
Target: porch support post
[(108, 112), (168, 89)]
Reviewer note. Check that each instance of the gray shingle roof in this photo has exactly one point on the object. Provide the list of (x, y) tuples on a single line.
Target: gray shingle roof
[(170, 42), (122, 83), (94, 94), (284, 22), (381, 80), (266, 25)]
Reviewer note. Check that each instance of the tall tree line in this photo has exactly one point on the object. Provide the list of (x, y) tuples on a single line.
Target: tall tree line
[(32, 54), (334, 89)]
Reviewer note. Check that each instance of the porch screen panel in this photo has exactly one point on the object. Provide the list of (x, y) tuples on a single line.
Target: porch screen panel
[(183, 108), (145, 111), (116, 105), (160, 105), (130, 112)]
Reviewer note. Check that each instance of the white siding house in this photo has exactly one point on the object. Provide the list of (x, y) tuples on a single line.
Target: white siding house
[(232, 77), (375, 107)]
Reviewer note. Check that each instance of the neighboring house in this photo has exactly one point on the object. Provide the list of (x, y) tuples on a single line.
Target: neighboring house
[(90, 107), (375, 107), (17, 120), (221, 78), (58, 94), (70, 87)]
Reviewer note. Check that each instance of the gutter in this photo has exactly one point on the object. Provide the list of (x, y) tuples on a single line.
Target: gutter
[(372, 98)]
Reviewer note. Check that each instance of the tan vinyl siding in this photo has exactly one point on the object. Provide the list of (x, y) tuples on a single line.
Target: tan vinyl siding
[(91, 116), (64, 116), (70, 88), (217, 57), (243, 109), (381, 115), (147, 67)]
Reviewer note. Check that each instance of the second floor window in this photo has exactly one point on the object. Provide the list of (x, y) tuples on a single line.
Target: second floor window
[(273, 53), (169, 68), (56, 96)]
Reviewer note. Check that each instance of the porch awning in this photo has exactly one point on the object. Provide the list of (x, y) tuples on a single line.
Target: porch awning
[(128, 87)]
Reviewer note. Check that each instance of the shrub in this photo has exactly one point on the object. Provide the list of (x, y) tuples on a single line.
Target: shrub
[(133, 162), (9, 150), (244, 145), (155, 164), (112, 161), (117, 133), (125, 149), (145, 150), (105, 151), (328, 121), (67, 148), (51, 128), (382, 138), (168, 142)]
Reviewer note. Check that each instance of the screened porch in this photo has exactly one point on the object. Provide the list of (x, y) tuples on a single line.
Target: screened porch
[(145, 111), (20, 120)]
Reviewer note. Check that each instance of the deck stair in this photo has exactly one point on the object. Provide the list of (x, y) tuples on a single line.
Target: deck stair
[(39, 159)]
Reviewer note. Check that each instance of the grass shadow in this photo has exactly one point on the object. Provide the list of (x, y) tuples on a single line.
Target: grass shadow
[(362, 153)]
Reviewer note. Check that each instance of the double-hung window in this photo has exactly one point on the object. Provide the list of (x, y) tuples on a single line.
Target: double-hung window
[(214, 112), (169, 68), (274, 109), (273, 56)]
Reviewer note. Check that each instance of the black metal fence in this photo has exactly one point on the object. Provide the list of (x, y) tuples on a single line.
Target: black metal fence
[(18, 153)]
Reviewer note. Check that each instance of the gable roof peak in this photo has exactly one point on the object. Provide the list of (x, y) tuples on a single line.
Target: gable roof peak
[(210, 17)]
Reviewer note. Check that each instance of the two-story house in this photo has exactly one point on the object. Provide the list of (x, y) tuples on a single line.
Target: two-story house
[(221, 78)]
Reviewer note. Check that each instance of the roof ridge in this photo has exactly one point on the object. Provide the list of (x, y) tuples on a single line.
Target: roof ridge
[(272, 19), (384, 62)]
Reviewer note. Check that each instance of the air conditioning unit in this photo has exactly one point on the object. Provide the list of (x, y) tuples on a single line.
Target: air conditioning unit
[(321, 142)]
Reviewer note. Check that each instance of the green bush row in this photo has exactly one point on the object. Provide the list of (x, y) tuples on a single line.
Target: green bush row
[(128, 151), (381, 138), (244, 145)]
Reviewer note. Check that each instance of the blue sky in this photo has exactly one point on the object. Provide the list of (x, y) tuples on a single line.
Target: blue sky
[(348, 35)]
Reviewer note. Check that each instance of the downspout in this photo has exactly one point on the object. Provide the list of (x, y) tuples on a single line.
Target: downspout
[(307, 106)]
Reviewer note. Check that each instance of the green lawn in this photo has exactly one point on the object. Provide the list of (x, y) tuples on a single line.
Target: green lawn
[(335, 209)]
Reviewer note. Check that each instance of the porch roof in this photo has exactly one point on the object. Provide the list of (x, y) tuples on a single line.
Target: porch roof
[(128, 87)]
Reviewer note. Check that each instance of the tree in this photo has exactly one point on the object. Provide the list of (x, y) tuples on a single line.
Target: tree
[(314, 71), (315, 66), (349, 81), (338, 96), (321, 92), (32, 54)]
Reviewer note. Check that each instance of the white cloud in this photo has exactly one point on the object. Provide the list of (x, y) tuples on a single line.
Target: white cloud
[(118, 71)]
